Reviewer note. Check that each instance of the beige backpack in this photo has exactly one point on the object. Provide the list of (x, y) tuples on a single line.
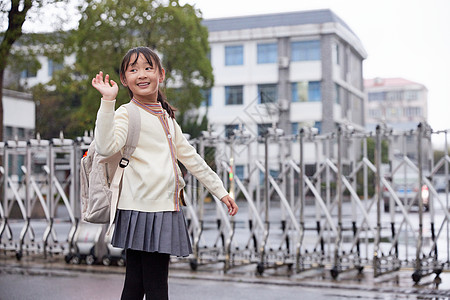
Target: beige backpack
[(100, 176)]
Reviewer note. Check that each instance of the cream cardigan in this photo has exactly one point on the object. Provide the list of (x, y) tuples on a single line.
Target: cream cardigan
[(152, 180)]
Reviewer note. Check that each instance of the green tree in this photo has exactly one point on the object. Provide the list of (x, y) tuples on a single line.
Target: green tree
[(55, 107), (109, 28), (14, 13)]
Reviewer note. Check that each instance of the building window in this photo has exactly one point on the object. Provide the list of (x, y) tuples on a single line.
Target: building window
[(28, 73), (294, 128), (336, 54), (229, 129), (337, 93), (394, 95), (306, 50), (8, 133), (413, 111), (267, 93), (318, 125), (306, 91), (267, 53), (411, 95), (375, 113), (239, 171), (392, 112), (234, 95), (21, 133), (314, 93), (53, 66), (206, 96), (262, 128), (377, 96), (234, 55)]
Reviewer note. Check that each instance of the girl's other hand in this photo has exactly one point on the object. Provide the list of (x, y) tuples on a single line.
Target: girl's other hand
[(108, 88), (231, 205)]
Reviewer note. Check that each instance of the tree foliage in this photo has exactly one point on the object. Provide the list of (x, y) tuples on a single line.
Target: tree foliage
[(14, 13), (109, 28)]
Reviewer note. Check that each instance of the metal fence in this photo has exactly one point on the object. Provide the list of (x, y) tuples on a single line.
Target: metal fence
[(336, 202)]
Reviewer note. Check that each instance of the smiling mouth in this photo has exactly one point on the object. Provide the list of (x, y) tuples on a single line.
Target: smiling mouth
[(143, 84)]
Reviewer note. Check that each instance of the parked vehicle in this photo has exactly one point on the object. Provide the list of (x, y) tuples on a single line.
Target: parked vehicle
[(407, 190)]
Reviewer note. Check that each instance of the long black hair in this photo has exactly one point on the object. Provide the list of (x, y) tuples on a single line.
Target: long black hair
[(151, 58)]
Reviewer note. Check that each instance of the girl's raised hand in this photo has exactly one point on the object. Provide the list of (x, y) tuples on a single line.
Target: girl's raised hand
[(108, 88)]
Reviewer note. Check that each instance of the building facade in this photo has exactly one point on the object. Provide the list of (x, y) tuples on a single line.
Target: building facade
[(400, 105), (19, 115), (289, 69), (396, 102)]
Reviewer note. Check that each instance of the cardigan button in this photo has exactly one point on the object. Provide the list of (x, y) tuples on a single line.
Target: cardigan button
[(169, 136)]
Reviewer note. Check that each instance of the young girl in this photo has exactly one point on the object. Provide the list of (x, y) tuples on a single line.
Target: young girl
[(149, 222)]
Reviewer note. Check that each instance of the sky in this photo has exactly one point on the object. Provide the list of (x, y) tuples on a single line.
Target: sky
[(408, 39), (403, 38)]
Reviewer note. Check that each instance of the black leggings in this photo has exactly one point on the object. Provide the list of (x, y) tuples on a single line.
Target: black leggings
[(146, 273)]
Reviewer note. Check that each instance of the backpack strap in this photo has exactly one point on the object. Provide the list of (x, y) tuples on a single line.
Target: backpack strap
[(134, 129)]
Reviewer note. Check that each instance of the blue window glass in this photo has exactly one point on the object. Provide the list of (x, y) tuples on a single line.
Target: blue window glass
[(206, 95), (234, 55), (239, 171), (294, 128), (53, 66), (299, 91), (314, 93), (318, 125), (377, 96), (229, 129), (267, 93), (306, 91), (337, 93), (306, 50), (273, 173), (267, 53), (262, 128), (28, 73), (234, 95)]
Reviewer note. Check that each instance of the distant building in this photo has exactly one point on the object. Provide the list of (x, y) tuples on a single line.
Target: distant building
[(19, 119), (399, 103), (19, 115), (29, 78)]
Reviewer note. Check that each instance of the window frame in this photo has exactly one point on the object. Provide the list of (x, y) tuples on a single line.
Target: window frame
[(234, 55), (231, 90), (264, 53), (306, 50)]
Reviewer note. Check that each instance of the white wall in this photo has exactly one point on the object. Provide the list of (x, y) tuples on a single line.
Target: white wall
[(18, 112)]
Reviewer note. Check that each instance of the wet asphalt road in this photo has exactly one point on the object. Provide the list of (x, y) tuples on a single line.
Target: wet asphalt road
[(23, 284)]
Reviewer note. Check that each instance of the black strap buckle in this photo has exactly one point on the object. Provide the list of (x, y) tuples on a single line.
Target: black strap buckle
[(124, 162)]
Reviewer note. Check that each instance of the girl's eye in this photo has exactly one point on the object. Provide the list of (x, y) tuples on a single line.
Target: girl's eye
[(149, 68)]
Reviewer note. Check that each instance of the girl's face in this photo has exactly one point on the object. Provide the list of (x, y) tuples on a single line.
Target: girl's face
[(143, 79)]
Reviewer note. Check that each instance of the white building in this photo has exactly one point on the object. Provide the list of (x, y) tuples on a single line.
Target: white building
[(19, 115), (399, 103), (295, 69), (29, 79)]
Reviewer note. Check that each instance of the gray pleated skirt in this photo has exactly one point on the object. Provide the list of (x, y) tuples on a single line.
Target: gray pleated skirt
[(163, 232)]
